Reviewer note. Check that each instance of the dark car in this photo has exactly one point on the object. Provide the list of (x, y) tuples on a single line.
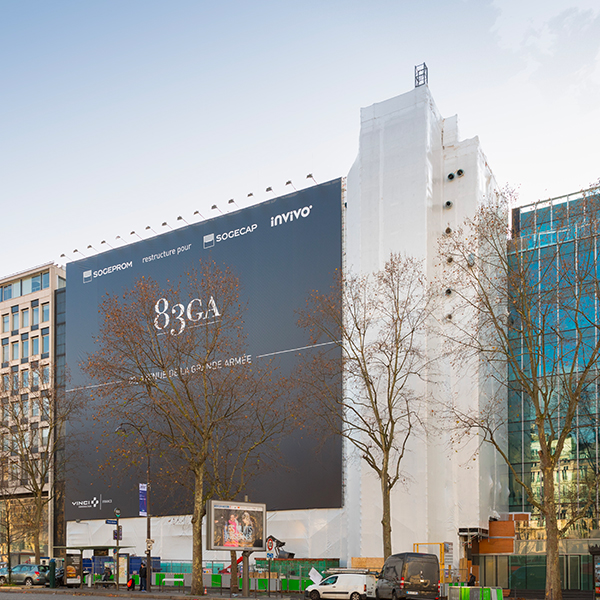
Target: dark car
[(409, 575), (26, 574)]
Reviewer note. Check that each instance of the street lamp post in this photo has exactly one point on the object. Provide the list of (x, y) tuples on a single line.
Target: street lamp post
[(149, 541)]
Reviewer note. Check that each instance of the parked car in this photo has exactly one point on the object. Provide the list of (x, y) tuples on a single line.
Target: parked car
[(26, 574), (409, 575), (347, 586)]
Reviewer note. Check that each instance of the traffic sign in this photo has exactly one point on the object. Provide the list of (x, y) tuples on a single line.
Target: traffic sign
[(269, 555), (111, 521), (117, 512)]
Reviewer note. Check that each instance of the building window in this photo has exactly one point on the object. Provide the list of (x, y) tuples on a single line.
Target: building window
[(44, 431), (45, 374), (15, 321), (45, 341), (15, 381), (35, 315), (25, 317), (36, 283), (5, 351), (25, 378), (5, 382), (35, 379), (5, 323), (25, 349), (45, 312), (15, 350), (35, 408), (35, 346), (25, 408)]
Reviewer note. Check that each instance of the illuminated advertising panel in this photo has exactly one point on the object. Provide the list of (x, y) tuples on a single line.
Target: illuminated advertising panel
[(236, 525), (280, 250)]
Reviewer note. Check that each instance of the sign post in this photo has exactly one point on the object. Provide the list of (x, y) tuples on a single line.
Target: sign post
[(117, 514)]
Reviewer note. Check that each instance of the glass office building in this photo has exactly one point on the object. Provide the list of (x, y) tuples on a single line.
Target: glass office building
[(555, 250)]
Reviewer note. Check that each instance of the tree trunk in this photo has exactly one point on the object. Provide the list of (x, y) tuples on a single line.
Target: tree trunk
[(386, 518), (38, 508), (199, 510), (235, 579), (553, 587), (36, 544)]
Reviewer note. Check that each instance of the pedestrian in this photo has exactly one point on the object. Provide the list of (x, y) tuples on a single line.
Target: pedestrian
[(471, 581), (106, 575), (143, 577)]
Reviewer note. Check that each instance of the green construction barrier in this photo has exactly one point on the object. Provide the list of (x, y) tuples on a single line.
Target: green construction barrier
[(465, 593), (294, 585), (160, 577)]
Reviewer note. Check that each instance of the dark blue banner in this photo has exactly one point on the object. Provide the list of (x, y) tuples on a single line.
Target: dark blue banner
[(280, 250)]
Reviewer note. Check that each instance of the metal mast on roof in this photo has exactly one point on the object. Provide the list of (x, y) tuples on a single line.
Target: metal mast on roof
[(421, 75)]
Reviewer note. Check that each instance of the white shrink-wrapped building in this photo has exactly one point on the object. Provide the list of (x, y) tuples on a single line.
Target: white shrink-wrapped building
[(412, 179)]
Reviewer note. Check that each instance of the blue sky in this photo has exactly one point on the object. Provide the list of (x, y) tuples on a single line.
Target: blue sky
[(116, 115)]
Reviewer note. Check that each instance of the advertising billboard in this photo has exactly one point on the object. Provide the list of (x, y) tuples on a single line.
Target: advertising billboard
[(236, 525), (280, 250)]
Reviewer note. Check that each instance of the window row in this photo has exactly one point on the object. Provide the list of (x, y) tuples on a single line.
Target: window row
[(26, 317), (24, 286), (19, 469), (25, 408), (26, 347), (25, 379), (26, 441)]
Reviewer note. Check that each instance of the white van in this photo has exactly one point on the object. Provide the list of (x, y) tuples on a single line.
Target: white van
[(348, 586)]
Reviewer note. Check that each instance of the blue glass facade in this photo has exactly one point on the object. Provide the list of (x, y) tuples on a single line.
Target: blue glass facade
[(553, 327), (555, 251)]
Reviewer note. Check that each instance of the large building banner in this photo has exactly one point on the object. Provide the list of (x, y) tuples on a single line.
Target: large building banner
[(280, 250)]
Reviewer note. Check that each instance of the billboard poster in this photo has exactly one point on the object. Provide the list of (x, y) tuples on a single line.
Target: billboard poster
[(280, 251), (73, 569), (236, 525)]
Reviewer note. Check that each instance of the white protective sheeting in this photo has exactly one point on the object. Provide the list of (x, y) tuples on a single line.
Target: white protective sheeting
[(400, 199)]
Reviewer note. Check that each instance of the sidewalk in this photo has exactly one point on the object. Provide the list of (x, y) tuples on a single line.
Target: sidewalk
[(161, 594)]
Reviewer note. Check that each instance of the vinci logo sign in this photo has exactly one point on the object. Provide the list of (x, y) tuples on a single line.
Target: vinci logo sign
[(93, 503), (290, 216)]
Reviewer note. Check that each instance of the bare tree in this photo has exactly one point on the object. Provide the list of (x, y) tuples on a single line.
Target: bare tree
[(524, 314), (13, 528), (379, 323), (178, 362), (32, 428)]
